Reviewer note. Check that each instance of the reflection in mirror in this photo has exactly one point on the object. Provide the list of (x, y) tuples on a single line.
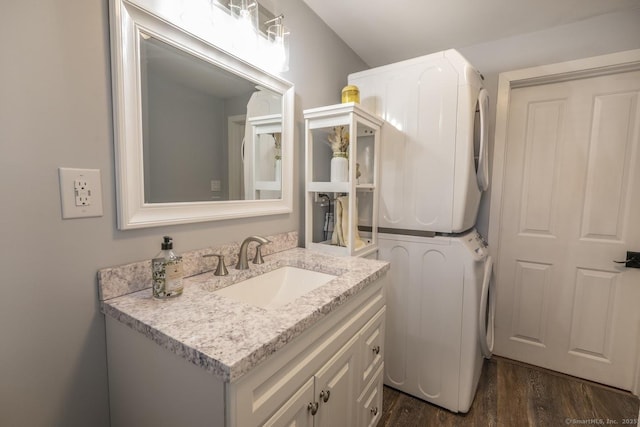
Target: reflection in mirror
[(195, 126), (266, 153), (208, 134)]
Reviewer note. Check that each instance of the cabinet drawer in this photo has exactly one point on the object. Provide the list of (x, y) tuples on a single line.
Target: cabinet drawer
[(370, 403), (372, 346)]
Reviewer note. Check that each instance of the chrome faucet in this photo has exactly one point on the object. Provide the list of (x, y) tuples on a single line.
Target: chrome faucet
[(243, 264)]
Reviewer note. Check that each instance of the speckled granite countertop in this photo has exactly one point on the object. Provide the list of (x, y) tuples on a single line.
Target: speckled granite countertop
[(228, 338)]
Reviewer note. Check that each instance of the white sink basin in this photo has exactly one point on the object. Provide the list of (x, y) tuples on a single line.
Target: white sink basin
[(275, 288)]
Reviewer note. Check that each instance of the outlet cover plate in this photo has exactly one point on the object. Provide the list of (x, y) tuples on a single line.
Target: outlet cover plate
[(90, 195)]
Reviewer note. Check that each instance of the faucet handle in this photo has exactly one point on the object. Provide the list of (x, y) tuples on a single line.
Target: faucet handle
[(221, 270), (258, 258)]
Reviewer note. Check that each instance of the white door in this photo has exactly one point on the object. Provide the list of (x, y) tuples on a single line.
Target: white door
[(571, 206)]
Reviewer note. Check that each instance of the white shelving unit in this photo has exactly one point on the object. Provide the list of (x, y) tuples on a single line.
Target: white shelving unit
[(363, 156), (267, 169)]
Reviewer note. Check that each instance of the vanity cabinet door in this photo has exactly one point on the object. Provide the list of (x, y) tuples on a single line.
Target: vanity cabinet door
[(326, 363), (297, 411), (336, 391)]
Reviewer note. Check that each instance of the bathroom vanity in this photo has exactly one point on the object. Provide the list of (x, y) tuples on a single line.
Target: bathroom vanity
[(209, 359)]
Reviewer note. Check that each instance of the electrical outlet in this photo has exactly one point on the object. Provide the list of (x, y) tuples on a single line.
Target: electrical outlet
[(633, 260), (80, 192)]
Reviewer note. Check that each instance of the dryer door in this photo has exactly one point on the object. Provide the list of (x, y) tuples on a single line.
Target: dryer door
[(481, 141), (487, 310)]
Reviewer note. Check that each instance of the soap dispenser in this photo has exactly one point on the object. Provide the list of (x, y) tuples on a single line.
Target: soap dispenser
[(167, 271)]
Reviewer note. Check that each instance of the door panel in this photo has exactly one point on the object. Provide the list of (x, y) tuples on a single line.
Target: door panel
[(539, 193), (593, 308), (608, 166), (335, 387), (295, 412), (530, 305), (570, 206)]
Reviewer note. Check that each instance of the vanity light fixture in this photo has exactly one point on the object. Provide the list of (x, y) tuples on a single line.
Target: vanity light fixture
[(278, 36), (233, 26), (245, 33), (246, 11), (250, 43)]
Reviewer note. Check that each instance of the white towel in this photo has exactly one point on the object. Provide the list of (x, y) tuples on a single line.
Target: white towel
[(340, 235)]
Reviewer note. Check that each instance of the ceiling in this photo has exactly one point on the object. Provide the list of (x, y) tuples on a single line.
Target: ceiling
[(382, 32)]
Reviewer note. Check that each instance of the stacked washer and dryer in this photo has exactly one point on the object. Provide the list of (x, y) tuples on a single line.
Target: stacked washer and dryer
[(433, 172)]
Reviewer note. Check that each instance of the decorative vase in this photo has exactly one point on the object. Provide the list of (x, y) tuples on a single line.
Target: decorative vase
[(339, 167)]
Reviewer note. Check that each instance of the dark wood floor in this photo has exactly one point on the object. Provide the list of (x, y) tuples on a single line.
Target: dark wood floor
[(512, 394)]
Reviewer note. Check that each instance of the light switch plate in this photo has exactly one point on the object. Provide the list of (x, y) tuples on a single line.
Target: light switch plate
[(80, 192)]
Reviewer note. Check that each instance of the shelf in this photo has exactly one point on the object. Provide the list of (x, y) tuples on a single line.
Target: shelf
[(341, 111), (337, 187), (329, 187), (268, 185), (365, 187), (361, 207), (327, 247)]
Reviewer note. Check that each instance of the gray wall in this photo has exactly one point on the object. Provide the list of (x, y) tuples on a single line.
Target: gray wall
[(186, 144), (55, 110)]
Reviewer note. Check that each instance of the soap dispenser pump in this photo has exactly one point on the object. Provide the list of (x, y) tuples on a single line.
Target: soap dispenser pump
[(167, 271)]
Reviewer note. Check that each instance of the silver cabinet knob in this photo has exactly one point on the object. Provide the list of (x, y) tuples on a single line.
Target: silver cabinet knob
[(374, 411), (324, 395), (313, 408), (376, 349)]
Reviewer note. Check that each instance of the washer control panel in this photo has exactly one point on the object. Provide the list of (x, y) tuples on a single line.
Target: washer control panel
[(476, 245)]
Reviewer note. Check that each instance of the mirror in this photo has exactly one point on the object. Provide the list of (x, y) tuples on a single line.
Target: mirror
[(200, 134)]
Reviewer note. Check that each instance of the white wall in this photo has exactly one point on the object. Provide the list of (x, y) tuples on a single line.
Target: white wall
[(604, 34), (55, 110)]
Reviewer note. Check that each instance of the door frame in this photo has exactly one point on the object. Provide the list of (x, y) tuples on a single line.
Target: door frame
[(539, 75), (235, 132)]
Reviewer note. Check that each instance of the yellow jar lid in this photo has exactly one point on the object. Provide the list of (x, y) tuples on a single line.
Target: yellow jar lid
[(351, 93)]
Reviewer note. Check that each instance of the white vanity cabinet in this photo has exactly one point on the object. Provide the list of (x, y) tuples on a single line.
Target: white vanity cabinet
[(327, 398), (329, 375)]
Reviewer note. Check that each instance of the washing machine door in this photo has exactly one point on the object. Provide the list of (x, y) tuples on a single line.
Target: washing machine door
[(481, 145), (487, 311)]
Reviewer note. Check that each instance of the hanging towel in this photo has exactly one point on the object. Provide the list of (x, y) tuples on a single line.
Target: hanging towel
[(337, 237), (340, 235)]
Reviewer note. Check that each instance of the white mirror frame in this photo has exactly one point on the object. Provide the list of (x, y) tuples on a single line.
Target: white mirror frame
[(128, 19)]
